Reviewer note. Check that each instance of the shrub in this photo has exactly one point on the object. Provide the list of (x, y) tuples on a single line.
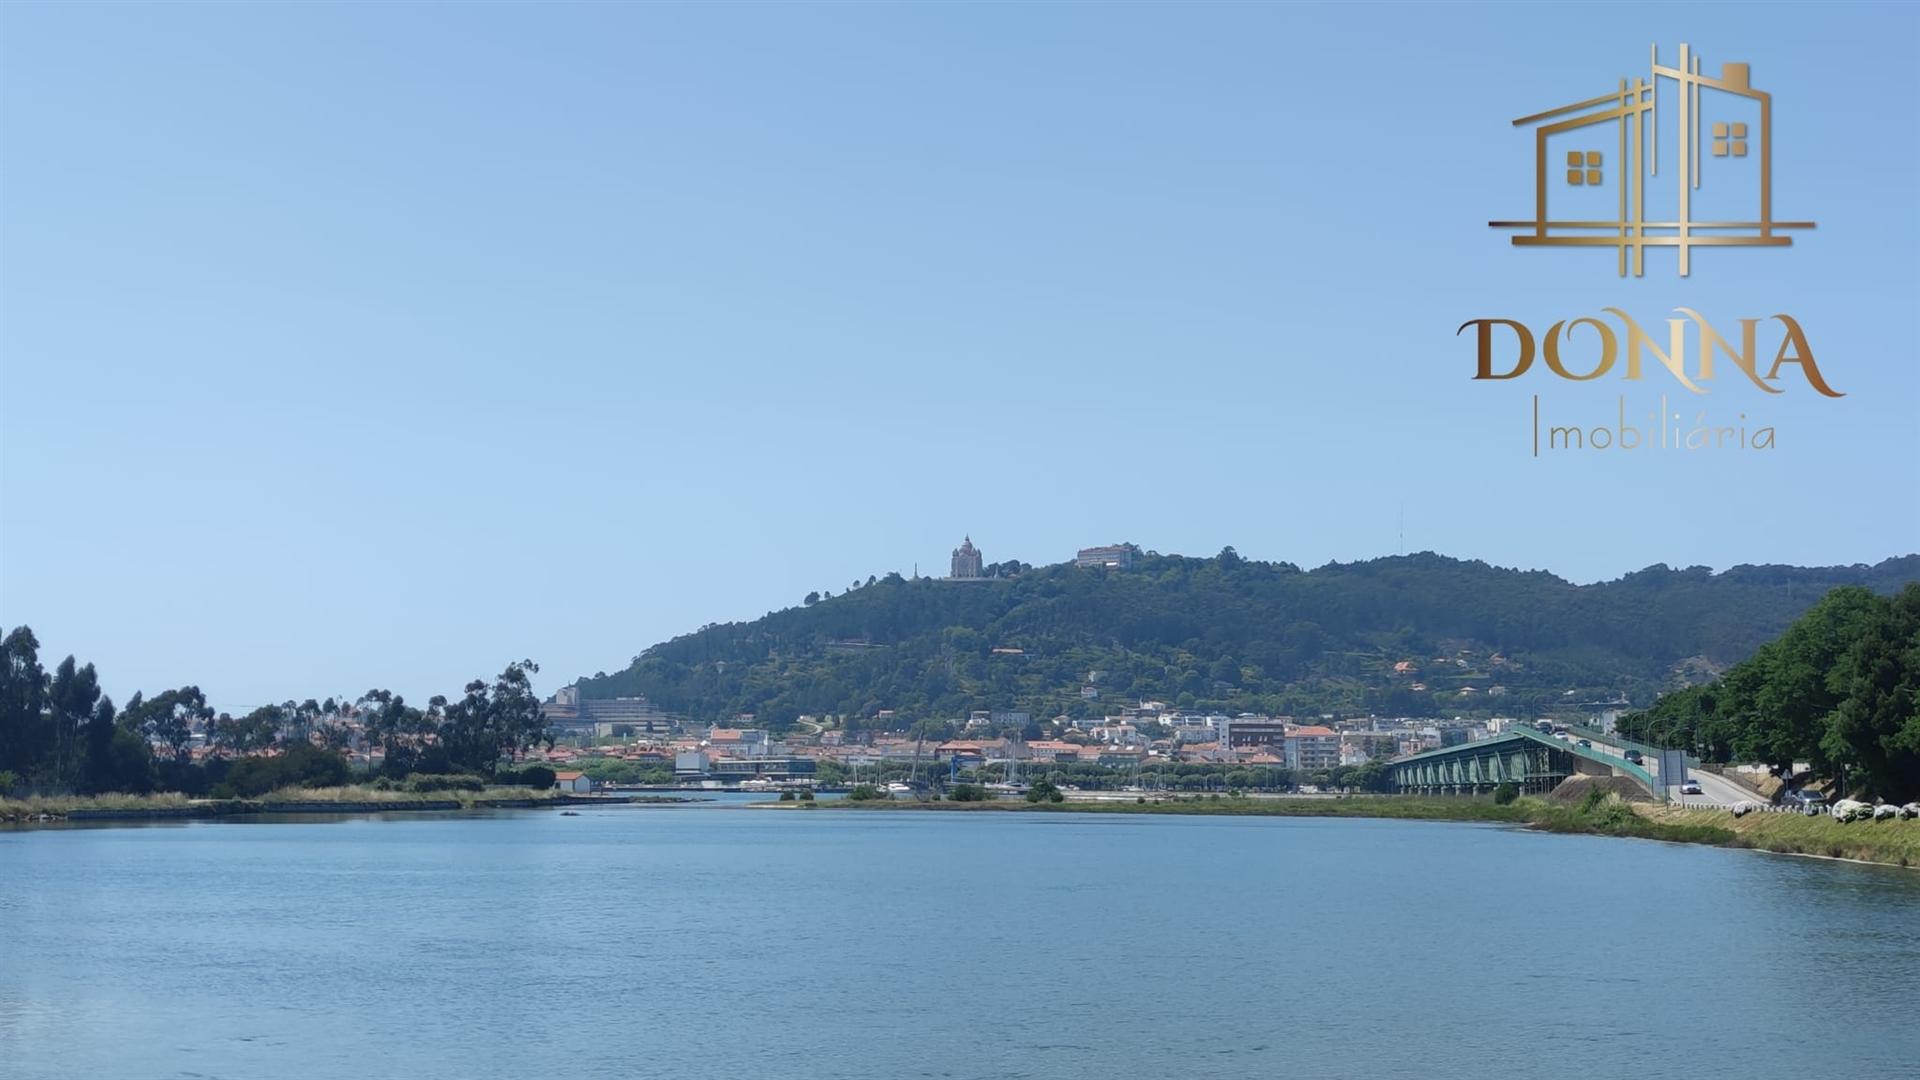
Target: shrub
[(865, 793), (806, 795), (537, 777), (968, 793), (1506, 793), (301, 766), (424, 782), (1044, 791), (786, 796), (188, 778), (131, 764)]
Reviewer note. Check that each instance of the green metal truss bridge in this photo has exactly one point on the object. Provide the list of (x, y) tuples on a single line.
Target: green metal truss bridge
[(1535, 762)]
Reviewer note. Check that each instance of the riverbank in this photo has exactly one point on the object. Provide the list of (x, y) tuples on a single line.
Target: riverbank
[(1891, 843), (338, 800), (1373, 806), (1894, 843)]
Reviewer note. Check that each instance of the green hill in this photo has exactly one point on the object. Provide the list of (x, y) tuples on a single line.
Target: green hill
[(1231, 634)]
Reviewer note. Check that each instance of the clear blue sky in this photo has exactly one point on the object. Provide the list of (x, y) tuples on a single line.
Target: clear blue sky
[(376, 345)]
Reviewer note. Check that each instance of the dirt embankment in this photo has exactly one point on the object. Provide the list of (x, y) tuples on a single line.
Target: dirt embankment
[(1575, 790)]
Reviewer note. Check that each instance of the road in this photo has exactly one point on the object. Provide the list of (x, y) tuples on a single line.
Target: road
[(1714, 791)]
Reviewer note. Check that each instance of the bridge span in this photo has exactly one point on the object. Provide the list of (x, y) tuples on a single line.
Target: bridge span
[(1533, 761)]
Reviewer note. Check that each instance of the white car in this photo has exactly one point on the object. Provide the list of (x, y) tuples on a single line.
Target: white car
[(1690, 787)]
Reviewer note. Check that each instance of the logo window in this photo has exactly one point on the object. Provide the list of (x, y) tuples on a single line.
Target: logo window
[(1585, 168), (1729, 137)]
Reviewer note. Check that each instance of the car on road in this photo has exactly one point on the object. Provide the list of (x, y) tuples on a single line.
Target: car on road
[(1634, 756), (1805, 802), (1690, 787), (1586, 744)]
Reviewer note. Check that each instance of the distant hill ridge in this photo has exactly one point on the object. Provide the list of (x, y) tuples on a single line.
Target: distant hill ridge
[(1235, 635)]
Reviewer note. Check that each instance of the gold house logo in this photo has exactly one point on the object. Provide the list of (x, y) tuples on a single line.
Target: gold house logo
[(1588, 179)]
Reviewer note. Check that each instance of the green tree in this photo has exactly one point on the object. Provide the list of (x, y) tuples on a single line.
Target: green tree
[(71, 697), (1874, 732), (495, 721), (1370, 776), (130, 762), (25, 735), (1792, 696), (100, 772), (302, 719), (251, 733), (1043, 791), (169, 718), (397, 728)]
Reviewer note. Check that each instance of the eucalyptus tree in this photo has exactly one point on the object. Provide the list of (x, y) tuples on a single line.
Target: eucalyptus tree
[(493, 721)]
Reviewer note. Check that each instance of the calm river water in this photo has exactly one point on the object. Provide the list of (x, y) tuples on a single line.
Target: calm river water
[(729, 942)]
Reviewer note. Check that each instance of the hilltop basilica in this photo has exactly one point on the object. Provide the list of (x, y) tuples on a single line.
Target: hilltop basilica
[(966, 561)]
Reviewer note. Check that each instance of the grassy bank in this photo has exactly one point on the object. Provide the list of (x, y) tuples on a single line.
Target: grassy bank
[(1368, 806), (170, 804), (37, 807), (360, 793), (1896, 843)]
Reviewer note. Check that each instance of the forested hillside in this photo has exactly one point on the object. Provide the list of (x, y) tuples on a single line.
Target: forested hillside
[(1227, 633)]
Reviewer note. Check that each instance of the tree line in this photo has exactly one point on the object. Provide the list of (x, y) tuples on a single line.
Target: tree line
[(60, 734), (1839, 691)]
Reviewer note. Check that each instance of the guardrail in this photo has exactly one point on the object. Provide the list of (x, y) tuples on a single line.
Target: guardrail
[(1625, 743), (1727, 773), (1752, 807), (1618, 763)]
